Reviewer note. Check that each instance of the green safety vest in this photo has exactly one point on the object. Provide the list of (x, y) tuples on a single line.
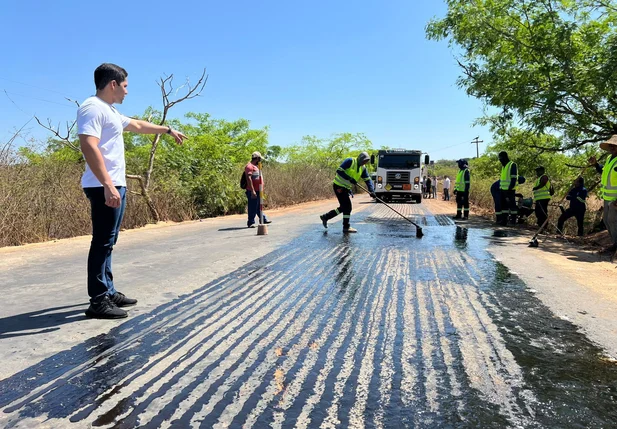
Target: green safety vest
[(459, 184), (354, 172), (609, 180), (506, 177), (543, 193)]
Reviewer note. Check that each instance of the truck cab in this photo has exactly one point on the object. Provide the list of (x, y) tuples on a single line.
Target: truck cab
[(398, 174)]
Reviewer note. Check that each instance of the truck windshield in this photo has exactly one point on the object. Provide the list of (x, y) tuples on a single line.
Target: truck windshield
[(402, 161)]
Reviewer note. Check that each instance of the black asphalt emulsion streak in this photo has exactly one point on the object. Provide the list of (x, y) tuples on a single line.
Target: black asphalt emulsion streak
[(372, 330)]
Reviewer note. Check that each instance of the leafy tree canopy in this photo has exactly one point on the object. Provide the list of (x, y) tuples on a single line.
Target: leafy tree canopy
[(551, 65), (328, 152)]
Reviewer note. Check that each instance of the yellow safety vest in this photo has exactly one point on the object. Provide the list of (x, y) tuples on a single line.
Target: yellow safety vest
[(609, 180), (354, 172), (506, 177), (543, 193), (459, 184)]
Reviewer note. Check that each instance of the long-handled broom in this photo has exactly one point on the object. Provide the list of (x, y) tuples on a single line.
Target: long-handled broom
[(419, 232)]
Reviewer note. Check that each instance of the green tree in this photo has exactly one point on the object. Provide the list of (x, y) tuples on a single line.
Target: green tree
[(550, 64), (327, 153)]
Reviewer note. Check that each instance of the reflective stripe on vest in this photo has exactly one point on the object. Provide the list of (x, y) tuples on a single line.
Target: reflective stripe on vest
[(459, 184), (543, 193), (506, 177), (609, 180), (354, 172)]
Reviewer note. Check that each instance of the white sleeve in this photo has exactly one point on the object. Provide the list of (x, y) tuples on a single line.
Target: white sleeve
[(125, 121), (90, 121)]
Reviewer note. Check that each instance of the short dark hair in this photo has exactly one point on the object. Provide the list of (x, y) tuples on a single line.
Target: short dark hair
[(107, 72)]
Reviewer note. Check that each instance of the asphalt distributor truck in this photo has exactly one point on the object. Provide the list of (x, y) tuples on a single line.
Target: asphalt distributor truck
[(398, 174)]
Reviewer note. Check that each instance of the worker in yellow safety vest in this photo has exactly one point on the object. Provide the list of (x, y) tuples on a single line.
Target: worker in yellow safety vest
[(461, 189), (542, 192), (507, 190), (347, 175), (609, 188)]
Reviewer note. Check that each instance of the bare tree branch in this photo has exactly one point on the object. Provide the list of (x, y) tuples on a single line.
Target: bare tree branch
[(144, 193), (166, 86), (66, 140)]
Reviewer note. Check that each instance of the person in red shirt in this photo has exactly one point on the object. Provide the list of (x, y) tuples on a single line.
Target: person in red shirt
[(253, 180)]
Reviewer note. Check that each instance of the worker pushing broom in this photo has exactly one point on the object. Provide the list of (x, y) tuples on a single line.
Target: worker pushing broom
[(347, 175)]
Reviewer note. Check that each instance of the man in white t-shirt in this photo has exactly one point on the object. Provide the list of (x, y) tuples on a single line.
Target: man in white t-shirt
[(100, 128), (446, 189)]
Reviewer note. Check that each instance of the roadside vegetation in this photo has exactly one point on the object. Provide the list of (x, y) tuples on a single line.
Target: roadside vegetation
[(546, 71), (42, 198)]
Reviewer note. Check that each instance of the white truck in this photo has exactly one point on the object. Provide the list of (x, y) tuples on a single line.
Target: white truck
[(398, 174)]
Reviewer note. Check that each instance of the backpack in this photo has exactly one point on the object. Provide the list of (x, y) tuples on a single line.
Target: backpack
[(243, 180)]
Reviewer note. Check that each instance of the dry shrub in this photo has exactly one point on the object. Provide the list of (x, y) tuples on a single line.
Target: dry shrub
[(44, 201), (39, 202), (287, 184)]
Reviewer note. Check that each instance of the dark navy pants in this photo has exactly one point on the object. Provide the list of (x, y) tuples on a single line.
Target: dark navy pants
[(105, 228)]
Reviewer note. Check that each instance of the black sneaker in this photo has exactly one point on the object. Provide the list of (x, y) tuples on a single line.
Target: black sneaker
[(251, 225), (266, 222), (324, 221), (121, 300), (105, 309)]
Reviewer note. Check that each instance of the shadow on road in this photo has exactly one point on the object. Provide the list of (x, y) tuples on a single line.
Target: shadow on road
[(42, 321), (233, 228)]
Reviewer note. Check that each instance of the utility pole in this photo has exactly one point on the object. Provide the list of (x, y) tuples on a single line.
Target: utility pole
[(477, 142)]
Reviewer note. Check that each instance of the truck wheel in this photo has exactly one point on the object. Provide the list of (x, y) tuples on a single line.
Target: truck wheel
[(418, 199)]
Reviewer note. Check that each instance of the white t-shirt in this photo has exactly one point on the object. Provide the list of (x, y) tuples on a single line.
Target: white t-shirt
[(446, 183), (101, 120)]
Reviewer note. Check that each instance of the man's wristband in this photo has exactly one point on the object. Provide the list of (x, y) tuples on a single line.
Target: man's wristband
[(168, 130)]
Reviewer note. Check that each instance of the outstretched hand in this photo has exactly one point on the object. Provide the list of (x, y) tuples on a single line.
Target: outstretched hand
[(178, 136)]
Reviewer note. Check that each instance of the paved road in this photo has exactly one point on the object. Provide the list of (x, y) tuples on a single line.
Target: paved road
[(378, 329)]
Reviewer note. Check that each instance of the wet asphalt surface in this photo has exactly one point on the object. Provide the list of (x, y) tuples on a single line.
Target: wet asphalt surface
[(379, 329)]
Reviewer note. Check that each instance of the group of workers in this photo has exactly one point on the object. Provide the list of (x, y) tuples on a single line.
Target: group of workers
[(510, 206)]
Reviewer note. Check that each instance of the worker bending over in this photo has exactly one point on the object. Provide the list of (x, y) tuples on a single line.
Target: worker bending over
[(348, 174), (577, 196)]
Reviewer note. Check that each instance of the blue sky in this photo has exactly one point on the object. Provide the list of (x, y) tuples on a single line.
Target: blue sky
[(301, 68)]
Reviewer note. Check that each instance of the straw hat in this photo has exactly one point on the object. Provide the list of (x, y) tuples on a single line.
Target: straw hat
[(612, 142)]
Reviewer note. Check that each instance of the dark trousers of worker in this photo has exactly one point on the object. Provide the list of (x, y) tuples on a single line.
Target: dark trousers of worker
[(105, 229), (579, 214), (462, 204), (344, 201), (446, 194), (253, 209), (541, 210), (508, 207)]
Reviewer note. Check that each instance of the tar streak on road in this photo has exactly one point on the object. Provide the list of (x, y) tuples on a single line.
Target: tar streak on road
[(378, 329)]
